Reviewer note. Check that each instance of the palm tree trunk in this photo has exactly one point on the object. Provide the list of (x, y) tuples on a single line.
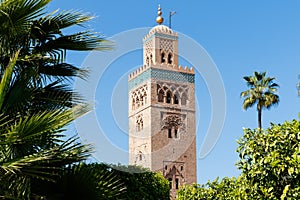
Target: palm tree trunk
[(259, 118)]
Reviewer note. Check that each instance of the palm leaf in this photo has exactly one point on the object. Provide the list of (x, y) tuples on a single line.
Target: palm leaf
[(85, 181), (63, 70), (5, 80)]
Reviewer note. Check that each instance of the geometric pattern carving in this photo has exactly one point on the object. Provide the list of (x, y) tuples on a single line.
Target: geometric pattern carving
[(160, 74), (173, 120), (139, 97), (178, 93), (149, 47), (180, 90), (166, 45)]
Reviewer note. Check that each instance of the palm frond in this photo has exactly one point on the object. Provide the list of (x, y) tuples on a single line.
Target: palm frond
[(81, 41), (15, 17), (63, 71), (5, 80), (85, 181), (46, 27), (43, 165), (249, 102), (55, 96)]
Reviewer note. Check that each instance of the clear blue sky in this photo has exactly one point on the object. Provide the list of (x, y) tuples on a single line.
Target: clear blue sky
[(240, 36)]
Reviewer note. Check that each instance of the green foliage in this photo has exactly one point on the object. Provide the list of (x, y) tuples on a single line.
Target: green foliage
[(143, 184), (33, 148), (84, 181), (270, 165), (226, 189), (270, 160)]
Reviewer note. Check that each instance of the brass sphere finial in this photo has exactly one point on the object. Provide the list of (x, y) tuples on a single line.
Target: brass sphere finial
[(159, 18)]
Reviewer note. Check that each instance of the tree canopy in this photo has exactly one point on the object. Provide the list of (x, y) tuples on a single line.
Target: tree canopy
[(269, 164)]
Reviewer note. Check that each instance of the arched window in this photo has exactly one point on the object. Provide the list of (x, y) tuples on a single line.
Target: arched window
[(145, 97), (141, 124), (163, 57), (169, 96), (142, 100), (147, 60), (176, 100), (161, 96), (170, 183), (137, 101), (141, 157), (133, 104), (176, 183), (138, 126), (151, 59), (169, 133), (169, 58), (183, 99), (176, 133)]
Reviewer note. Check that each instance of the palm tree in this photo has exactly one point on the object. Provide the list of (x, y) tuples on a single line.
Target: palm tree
[(32, 146), (42, 48), (36, 102), (261, 92)]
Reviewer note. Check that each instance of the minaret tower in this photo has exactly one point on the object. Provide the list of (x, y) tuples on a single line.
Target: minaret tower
[(162, 127)]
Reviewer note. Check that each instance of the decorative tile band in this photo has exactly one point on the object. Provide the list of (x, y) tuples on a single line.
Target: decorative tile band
[(160, 74)]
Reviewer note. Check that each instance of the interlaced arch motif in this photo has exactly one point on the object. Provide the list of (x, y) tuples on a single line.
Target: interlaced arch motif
[(173, 120), (139, 97), (139, 123), (176, 93)]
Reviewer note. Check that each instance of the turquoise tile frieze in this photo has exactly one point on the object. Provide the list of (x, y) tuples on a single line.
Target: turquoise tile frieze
[(160, 74)]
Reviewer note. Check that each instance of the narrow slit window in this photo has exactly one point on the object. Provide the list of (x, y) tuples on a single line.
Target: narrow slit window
[(142, 125), (176, 183), (133, 104), (142, 100), (161, 96), (169, 133), (170, 183), (169, 95), (176, 133), (169, 58), (163, 58), (176, 101)]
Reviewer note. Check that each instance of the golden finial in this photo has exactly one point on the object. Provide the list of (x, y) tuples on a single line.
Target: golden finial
[(159, 18)]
